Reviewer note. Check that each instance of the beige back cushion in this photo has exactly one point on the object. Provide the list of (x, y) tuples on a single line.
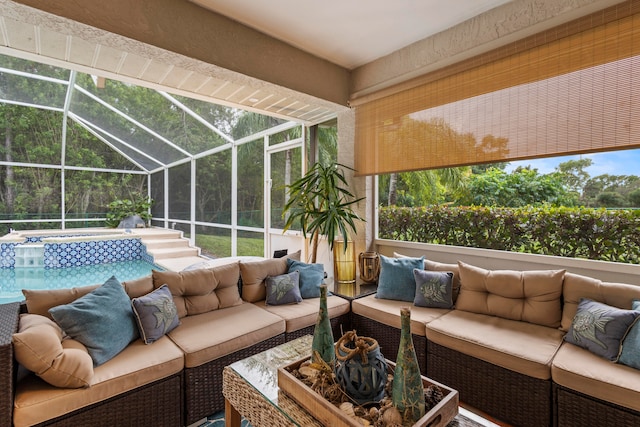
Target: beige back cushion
[(39, 347), (41, 300), (202, 290), (253, 276), (138, 287), (531, 296), (576, 286)]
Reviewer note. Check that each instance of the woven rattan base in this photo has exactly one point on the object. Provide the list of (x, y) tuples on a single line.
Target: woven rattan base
[(338, 325), (509, 396), (388, 338), (203, 384), (159, 403), (255, 408), (8, 367), (576, 410)]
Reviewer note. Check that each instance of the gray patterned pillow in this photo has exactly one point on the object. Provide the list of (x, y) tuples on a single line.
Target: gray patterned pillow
[(283, 289), (156, 314), (600, 328), (433, 288)]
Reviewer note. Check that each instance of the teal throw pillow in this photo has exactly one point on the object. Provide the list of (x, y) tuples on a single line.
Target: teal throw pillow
[(311, 277), (156, 314), (396, 280), (433, 288), (102, 320), (600, 328), (630, 354), (283, 289)]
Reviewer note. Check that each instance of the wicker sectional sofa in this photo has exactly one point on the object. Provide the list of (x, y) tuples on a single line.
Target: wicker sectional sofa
[(504, 351), (176, 380), (505, 354)]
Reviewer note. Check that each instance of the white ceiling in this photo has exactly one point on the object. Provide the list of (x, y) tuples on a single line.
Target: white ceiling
[(350, 33)]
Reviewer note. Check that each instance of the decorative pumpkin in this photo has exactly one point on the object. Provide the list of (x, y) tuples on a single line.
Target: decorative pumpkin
[(361, 369)]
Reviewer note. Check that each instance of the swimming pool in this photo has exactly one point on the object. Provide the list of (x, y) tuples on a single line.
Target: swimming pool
[(13, 280), (64, 259)]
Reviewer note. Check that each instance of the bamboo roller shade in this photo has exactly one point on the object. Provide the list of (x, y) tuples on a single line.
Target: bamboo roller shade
[(578, 93)]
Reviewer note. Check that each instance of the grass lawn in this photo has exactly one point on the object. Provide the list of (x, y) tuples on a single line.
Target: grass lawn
[(220, 246)]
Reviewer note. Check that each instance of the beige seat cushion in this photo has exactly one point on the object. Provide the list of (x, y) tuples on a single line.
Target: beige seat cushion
[(531, 296), (137, 365), (522, 347), (580, 370), (387, 312), (576, 287), (298, 316), (209, 336)]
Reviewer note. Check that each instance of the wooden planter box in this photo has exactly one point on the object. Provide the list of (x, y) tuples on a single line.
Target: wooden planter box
[(330, 415)]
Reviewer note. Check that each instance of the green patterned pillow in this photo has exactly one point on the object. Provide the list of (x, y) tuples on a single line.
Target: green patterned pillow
[(283, 289), (600, 328), (433, 288)]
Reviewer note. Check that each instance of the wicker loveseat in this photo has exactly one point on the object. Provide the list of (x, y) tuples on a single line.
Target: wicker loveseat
[(176, 380), (504, 351)]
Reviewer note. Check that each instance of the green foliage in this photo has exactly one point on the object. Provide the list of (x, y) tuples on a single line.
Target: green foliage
[(123, 208), (321, 204), (521, 187), (598, 234)]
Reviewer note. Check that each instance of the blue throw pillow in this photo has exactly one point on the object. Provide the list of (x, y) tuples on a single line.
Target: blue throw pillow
[(311, 277), (283, 289), (433, 288), (396, 280), (156, 314), (630, 354), (600, 328), (102, 320)]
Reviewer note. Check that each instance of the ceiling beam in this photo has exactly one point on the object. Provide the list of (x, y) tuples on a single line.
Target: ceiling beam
[(185, 28)]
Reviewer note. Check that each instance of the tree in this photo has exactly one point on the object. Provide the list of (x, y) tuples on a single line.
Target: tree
[(521, 187), (611, 199), (573, 174)]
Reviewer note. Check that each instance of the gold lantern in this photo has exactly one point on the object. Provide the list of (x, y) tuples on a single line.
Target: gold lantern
[(344, 261), (369, 266)]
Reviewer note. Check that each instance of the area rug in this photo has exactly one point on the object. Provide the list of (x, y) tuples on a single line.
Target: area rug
[(217, 420)]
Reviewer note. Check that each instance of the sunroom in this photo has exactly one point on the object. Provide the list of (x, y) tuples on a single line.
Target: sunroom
[(248, 108)]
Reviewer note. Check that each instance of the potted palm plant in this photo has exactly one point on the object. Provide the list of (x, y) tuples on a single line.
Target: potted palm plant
[(321, 204)]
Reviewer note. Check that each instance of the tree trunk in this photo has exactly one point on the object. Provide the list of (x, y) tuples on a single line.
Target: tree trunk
[(9, 196), (393, 184)]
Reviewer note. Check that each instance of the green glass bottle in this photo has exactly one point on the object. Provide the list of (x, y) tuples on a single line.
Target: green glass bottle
[(408, 392), (323, 335)]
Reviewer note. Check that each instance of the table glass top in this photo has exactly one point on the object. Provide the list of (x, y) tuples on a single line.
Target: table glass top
[(261, 370)]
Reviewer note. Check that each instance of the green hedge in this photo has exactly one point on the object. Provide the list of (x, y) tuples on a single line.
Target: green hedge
[(599, 234)]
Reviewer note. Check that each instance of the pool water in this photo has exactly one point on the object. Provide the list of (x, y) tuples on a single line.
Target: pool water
[(13, 280)]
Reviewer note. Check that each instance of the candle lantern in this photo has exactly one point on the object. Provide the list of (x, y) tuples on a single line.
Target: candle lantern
[(369, 266)]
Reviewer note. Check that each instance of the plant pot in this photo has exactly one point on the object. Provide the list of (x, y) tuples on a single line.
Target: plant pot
[(344, 261)]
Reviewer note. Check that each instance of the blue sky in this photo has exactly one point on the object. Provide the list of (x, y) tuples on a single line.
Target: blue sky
[(625, 162)]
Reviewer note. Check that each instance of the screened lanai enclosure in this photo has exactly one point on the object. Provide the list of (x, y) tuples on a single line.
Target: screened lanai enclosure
[(72, 143)]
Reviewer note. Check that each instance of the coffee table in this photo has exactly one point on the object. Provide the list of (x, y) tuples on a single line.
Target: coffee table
[(250, 389)]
